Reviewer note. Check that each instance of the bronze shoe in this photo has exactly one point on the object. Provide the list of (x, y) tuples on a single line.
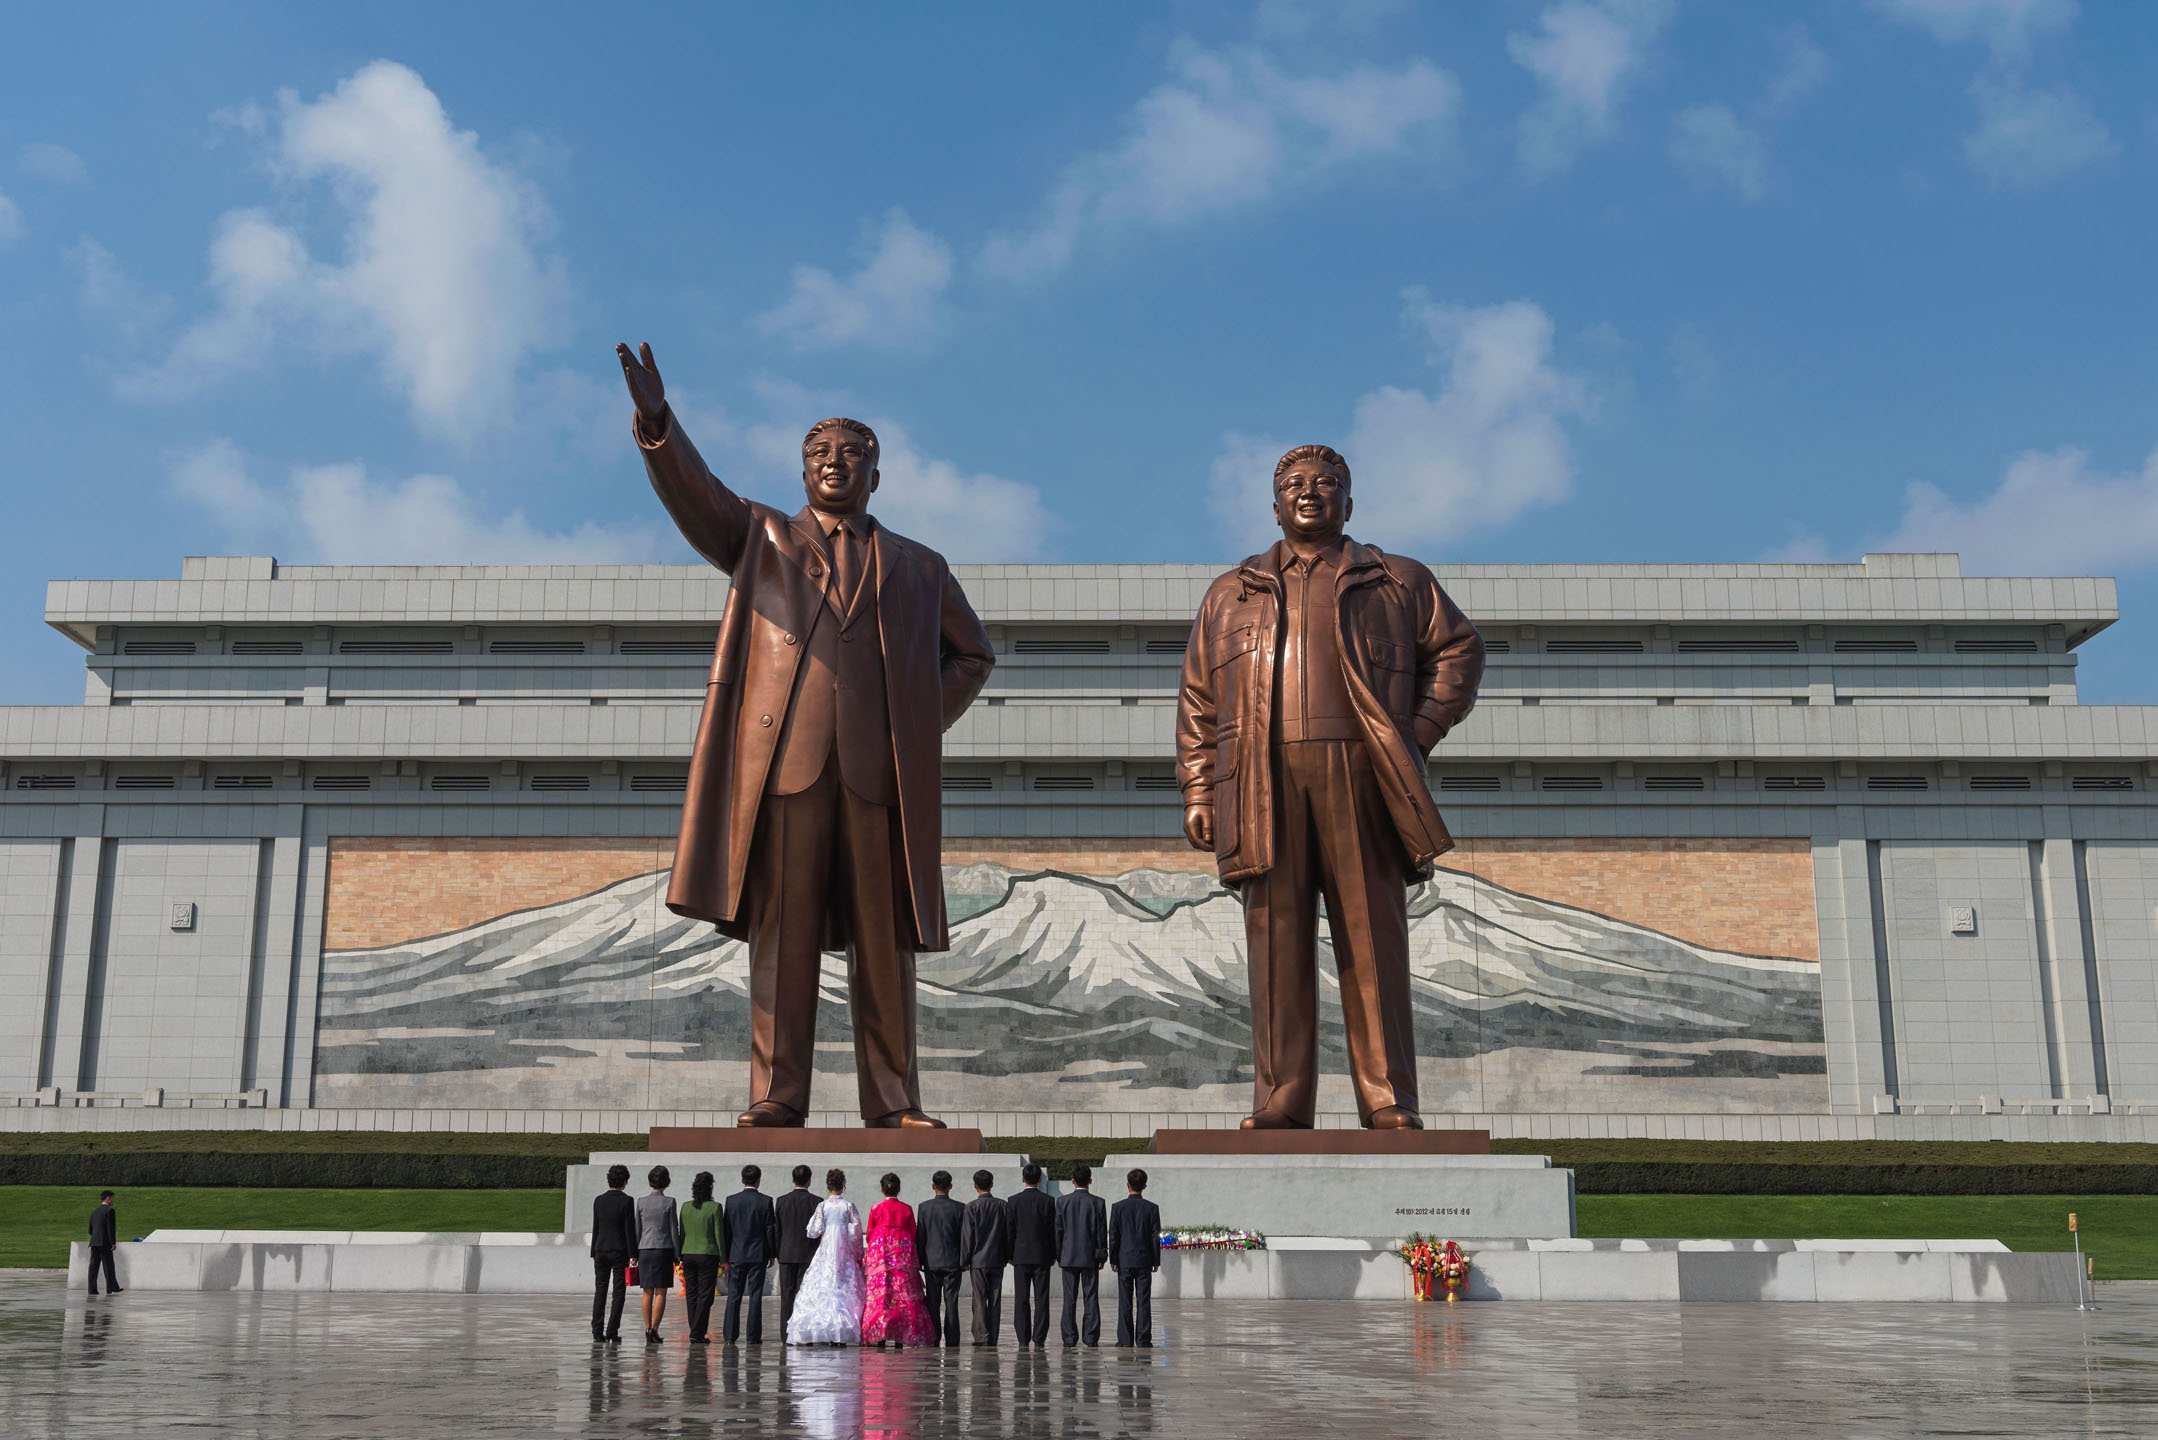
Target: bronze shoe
[(906, 1120), (1395, 1117), (770, 1114), (1270, 1120)]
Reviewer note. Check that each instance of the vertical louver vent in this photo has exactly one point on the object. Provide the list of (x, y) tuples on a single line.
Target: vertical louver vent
[(658, 784), (158, 647), (560, 784), (1794, 782), (1895, 782), (342, 782), (459, 784), (969, 783), (1593, 647)]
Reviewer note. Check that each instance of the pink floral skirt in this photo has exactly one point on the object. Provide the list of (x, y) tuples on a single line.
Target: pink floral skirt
[(895, 1309)]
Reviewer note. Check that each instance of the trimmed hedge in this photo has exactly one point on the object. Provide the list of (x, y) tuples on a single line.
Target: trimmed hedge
[(1679, 1178)]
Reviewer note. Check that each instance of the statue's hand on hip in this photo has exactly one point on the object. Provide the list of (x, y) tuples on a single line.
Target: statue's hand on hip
[(1199, 826), (641, 374)]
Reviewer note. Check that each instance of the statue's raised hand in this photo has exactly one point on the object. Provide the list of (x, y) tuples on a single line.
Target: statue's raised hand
[(642, 377)]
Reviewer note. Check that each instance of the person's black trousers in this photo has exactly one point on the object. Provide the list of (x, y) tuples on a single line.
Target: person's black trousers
[(605, 1323), (1082, 1284), (700, 1284), (102, 1255), (1030, 1302), (942, 1287), (790, 1285), (744, 1278), (988, 1304), (1134, 1307)]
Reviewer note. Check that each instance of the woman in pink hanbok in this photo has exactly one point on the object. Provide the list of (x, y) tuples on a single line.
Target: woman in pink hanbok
[(895, 1309)]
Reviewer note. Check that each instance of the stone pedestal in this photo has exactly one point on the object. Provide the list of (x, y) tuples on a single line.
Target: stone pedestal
[(1374, 1196), (1320, 1142), (754, 1140)]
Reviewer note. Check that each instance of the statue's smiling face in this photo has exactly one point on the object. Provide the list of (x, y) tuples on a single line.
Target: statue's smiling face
[(839, 470), (1311, 500)]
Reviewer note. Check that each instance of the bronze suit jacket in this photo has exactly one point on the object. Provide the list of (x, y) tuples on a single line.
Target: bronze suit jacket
[(936, 659), (1412, 662)]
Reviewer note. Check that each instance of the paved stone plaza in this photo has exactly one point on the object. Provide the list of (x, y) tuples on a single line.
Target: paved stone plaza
[(335, 1365)]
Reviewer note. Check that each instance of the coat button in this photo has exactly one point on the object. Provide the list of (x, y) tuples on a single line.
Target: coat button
[(790, 639), (765, 721), (815, 571), (846, 634)]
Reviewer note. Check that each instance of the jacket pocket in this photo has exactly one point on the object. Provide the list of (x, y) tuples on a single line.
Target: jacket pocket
[(1386, 655), (1230, 641)]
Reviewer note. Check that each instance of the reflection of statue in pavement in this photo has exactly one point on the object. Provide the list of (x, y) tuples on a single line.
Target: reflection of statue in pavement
[(814, 816), (1319, 675)]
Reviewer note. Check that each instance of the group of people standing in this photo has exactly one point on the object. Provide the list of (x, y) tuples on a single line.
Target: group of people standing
[(892, 1281)]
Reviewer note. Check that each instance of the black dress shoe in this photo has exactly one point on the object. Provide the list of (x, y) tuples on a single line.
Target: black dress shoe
[(651, 1337)]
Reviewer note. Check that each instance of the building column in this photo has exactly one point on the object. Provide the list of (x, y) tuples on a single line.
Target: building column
[(72, 1022), (1850, 991), (2069, 965)]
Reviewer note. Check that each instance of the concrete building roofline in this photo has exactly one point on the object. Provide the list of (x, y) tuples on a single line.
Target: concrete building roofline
[(1881, 589)]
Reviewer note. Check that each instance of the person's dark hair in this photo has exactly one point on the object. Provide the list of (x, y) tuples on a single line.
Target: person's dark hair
[(801, 1174), (1313, 452), (889, 1184), (941, 1181), (751, 1175), (1030, 1173), (839, 423), (835, 1180), (1137, 1181), (104, 1194), (984, 1181), (617, 1176), (1082, 1174), (700, 1189), (659, 1178)]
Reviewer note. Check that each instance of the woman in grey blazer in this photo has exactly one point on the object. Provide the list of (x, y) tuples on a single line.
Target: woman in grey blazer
[(658, 1233)]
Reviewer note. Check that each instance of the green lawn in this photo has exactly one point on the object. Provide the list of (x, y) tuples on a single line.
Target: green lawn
[(42, 1219), (2120, 1231)]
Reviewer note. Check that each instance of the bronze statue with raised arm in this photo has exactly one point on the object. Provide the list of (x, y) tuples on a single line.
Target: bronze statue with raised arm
[(1319, 675), (814, 817)]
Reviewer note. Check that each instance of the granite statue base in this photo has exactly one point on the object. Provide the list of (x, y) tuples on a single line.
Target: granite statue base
[(1320, 1142), (819, 1140)]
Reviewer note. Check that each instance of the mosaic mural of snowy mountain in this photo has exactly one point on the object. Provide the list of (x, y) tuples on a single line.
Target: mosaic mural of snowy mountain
[(1057, 980)]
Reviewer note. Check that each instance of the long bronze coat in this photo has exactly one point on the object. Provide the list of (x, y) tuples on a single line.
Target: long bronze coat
[(936, 659), (1412, 662)]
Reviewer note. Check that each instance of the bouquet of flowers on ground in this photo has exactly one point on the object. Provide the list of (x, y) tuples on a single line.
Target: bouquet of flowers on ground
[(1434, 1264), (1211, 1237)]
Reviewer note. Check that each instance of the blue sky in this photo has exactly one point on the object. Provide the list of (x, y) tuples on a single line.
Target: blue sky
[(1593, 280)]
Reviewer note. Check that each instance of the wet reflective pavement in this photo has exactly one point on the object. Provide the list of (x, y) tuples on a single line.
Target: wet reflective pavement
[(463, 1365)]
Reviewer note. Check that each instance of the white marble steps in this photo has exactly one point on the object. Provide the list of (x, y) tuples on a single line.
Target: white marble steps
[(1293, 1268)]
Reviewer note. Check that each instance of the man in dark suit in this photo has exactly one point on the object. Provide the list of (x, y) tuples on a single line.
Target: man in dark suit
[(104, 1238), (813, 820), (985, 1246), (752, 1238), (1082, 1249), (796, 1249), (1034, 1253), (614, 1244), (1135, 1254), (937, 1227)]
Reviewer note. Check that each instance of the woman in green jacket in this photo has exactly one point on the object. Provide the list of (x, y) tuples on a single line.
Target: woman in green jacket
[(701, 1241)]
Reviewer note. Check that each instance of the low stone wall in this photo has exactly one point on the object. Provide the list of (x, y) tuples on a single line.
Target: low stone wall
[(1629, 1271)]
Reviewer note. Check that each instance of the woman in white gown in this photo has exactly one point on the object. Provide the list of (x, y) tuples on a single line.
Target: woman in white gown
[(828, 1308)]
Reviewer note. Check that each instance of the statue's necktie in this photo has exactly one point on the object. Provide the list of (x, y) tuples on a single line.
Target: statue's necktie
[(846, 564)]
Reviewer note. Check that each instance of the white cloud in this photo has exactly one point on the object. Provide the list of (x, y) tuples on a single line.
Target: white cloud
[(2053, 514), (1430, 469), (2006, 27), (890, 301), (11, 226), (334, 514), (1230, 131), (2028, 137), (1710, 144), (52, 162), (1806, 68), (440, 278), (1583, 55), (111, 297)]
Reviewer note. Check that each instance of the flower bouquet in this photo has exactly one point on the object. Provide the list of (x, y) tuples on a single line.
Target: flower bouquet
[(1435, 1265), (1211, 1237)]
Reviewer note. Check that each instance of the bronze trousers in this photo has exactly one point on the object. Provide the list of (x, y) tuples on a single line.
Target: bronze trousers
[(819, 848), (1332, 837)]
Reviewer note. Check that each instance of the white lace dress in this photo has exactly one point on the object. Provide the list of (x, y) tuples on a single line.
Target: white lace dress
[(828, 1308)]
